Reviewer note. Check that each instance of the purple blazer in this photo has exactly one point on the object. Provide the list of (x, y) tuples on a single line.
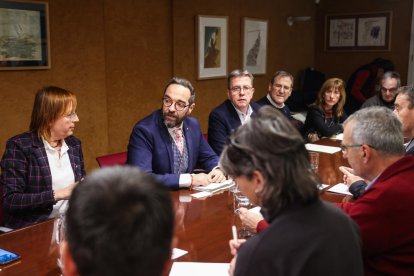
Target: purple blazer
[(26, 179)]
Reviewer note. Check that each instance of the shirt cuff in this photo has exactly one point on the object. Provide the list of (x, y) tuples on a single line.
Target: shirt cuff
[(185, 180)]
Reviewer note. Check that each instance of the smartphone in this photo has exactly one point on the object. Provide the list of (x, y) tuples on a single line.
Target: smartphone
[(7, 257)]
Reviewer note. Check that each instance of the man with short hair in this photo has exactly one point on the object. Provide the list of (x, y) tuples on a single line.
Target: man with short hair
[(404, 110), (169, 143), (234, 111), (279, 90), (373, 145), (119, 222), (390, 82)]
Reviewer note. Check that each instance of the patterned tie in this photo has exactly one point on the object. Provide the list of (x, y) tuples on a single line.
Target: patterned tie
[(179, 139)]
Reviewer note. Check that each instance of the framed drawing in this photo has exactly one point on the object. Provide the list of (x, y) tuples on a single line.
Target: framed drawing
[(24, 35), (254, 45), (358, 32), (341, 32), (212, 41), (374, 31)]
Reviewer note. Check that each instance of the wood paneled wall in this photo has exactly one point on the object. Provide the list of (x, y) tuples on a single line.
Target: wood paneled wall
[(117, 56)]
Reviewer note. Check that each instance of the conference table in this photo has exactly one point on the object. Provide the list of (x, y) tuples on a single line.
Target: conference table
[(203, 226)]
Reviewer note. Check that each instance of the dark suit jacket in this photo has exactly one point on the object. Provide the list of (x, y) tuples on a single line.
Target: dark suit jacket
[(27, 180), (223, 120), (150, 148)]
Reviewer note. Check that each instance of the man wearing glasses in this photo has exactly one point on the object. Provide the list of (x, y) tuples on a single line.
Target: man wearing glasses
[(390, 82), (234, 111), (404, 110), (373, 146), (169, 143), (279, 90)]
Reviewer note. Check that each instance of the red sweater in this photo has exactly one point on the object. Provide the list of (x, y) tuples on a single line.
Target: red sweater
[(385, 215)]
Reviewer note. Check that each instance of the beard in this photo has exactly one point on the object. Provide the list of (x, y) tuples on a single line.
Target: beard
[(174, 123)]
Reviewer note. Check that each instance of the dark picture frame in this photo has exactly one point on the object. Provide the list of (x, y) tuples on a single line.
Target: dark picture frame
[(24, 35), (358, 32)]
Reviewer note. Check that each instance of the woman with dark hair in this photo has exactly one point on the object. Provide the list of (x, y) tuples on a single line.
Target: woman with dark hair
[(326, 115), (40, 167), (268, 160)]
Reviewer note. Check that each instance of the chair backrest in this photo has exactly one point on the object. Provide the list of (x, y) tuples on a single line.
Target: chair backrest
[(112, 159)]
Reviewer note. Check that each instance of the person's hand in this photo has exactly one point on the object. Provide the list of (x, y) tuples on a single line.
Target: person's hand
[(216, 176), (65, 193), (200, 179), (249, 219), (235, 245), (232, 266), (349, 176)]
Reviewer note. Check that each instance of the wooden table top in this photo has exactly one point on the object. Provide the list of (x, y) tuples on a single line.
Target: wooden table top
[(203, 227)]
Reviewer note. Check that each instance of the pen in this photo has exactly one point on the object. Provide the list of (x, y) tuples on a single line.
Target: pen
[(234, 231)]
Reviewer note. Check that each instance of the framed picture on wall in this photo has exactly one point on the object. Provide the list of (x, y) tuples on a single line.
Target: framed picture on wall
[(341, 32), (358, 32), (254, 45), (24, 35), (374, 31), (212, 45)]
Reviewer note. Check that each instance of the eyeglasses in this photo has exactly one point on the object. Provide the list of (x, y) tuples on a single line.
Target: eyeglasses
[(72, 116), (345, 147), (238, 89), (280, 86), (391, 90), (179, 106)]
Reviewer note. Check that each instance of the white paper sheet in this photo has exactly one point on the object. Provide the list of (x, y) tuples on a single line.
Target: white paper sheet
[(322, 186), (177, 253), (199, 269), (215, 187), (255, 210), (323, 149), (340, 188), (201, 194)]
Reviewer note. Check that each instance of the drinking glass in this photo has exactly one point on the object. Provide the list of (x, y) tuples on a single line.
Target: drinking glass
[(314, 160), (59, 236)]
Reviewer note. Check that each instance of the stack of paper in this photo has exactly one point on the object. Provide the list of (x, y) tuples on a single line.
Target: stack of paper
[(215, 187), (323, 149), (340, 188)]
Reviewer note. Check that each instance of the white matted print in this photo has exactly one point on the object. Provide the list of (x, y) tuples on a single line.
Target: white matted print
[(254, 45), (212, 40)]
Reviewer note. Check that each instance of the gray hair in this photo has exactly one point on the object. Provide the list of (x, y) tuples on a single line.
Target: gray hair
[(271, 145), (281, 74), (238, 73), (408, 91), (186, 84), (391, 75), (379, 128)]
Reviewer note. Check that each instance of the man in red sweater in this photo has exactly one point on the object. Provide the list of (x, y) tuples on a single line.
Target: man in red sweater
[(373, 145)]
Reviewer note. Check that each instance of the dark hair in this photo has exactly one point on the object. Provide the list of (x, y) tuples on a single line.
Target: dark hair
[(51, 103), (271, 145), (186, 84), (409, 92), (385, 64), (120, 222)]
